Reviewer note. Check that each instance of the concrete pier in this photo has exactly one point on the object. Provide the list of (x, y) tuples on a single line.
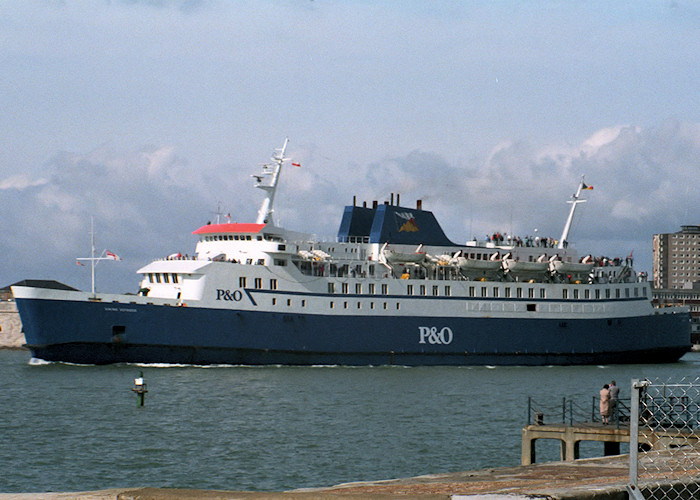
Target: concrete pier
[(611, 436)]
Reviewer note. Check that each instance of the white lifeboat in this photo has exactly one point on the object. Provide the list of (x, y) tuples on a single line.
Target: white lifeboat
[(525, 269), (577, 269), (394, 257)]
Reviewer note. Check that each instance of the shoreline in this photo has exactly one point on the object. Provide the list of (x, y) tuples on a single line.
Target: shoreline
[(603, 478)]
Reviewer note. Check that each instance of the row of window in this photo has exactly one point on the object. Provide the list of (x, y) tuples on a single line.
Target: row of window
[(257, 283), (372, 305), (608, 293), (232, 237), (483, 291), (163, 278), (345, 304)]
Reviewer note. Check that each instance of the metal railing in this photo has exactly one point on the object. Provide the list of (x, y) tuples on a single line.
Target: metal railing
[(571, 412)]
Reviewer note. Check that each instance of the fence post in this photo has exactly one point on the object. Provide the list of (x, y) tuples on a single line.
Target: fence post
[(632, 487), (563, 410), (571, 412)]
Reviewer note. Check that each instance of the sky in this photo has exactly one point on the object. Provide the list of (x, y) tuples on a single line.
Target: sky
[(150, 116)]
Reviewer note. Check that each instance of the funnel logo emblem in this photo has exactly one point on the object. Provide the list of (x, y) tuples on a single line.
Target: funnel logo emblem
[(406, 222)]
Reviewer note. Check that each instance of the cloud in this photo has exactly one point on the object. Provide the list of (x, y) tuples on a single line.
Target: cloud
[(626, 210), (21, 182), (146, 201)]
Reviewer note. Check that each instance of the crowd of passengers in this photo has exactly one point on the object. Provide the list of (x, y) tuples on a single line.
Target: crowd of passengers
[(597, 261), (617, 261), (529, 241)]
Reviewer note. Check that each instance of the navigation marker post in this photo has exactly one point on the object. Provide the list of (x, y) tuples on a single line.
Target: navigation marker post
[(140, 388)]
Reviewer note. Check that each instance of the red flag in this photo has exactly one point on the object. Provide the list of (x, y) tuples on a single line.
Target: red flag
[(78, 263), (296, 164), (112, 256)]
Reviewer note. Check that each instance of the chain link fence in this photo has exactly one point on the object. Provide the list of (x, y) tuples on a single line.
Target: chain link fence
[(665, 440)]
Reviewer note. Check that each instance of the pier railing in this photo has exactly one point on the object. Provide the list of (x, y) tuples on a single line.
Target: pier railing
[(569, 412)]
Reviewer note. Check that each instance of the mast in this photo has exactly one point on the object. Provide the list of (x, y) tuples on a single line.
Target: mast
[(267, 181), (92, 251), (106, 255), (564, 239)]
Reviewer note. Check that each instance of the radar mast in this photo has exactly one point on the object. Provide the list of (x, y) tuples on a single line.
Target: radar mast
[(564, 239), (267, 181)]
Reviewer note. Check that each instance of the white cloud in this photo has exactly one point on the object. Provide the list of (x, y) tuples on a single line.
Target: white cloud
[(20, 182), (626, 210), (601, 138), (147, 201)]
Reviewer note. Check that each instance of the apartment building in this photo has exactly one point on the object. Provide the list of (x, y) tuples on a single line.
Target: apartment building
[(676, 272), (676, 258)]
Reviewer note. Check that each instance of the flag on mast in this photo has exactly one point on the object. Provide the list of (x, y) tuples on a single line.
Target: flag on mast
[(584, 186), (111, 255)]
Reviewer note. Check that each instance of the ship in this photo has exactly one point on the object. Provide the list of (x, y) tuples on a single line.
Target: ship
[(391, 289)]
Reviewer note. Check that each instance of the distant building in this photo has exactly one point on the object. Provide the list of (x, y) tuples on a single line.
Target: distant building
[(676, 273), (676, 258)]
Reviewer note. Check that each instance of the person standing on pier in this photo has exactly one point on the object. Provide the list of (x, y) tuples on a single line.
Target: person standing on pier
[(605, 404), (614, 395)]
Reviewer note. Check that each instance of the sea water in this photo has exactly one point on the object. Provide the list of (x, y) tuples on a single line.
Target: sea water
[(75, 428)]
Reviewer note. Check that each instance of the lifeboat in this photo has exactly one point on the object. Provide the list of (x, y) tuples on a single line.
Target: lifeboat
[(394, 257), (526, 270), (578, 269), (479, 268)]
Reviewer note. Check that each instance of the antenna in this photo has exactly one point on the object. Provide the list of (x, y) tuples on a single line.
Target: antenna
[(564, 240), (218, 212)]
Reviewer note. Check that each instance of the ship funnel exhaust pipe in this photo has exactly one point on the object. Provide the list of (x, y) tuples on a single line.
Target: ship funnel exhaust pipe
[(419, 204)]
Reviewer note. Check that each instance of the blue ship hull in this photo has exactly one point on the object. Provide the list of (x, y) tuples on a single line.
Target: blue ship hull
[(137, 333)]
